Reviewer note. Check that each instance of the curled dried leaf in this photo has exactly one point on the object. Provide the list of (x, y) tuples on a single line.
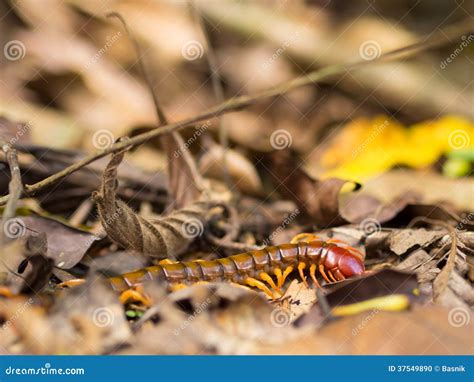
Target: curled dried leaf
[(164, 237)]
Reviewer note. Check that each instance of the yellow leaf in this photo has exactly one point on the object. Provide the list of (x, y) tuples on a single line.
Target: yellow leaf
[(365, 148)]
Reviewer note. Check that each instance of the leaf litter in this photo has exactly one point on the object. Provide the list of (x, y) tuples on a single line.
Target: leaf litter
[(210, 198)]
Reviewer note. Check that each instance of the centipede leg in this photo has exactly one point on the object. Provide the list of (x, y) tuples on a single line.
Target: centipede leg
[(266, 277), (304, 237), (339, 275), (281, 277), (331, 276), (347, 246), (165, 262), (177, 286), (301, 267), (246, 287), (259, 285), (71, 283), (6, 292), (323, 273), (134, 295), (312, 273)]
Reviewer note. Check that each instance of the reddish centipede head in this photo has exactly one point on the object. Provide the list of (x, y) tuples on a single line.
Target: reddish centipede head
[(351, 265), (343, 263)]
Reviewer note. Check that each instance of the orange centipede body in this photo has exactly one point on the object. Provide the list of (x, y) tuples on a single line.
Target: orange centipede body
[(333, 262)]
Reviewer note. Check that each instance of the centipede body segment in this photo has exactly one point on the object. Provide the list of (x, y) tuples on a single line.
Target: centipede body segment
[(265, 269)]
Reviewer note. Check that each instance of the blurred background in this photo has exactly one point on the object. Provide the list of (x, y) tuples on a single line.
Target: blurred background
[(70, 82)]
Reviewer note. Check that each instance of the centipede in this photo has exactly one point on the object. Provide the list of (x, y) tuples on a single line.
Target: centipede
[(265, 269)]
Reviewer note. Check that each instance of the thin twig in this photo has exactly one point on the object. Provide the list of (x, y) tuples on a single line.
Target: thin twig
[(15, 187), (218, 91), (159, 111), (173, 140), (237, 103)]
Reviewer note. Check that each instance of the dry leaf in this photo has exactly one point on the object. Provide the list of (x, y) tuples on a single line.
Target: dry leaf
[(65, 245), (425, 330), (96, 303), (317, 199), (402, 241), (185, 182), (165, 237), (241, 170)]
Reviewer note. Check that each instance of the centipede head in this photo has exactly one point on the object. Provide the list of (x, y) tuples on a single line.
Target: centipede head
[(343, 262), (351, 265)]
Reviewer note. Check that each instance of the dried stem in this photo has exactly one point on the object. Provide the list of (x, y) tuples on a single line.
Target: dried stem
[(159, 111), (238, 103), (218, 91), (172, 141), (15, 187)]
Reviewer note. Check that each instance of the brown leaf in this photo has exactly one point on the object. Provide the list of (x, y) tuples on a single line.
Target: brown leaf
[(298, 299), (237, 317), (382, 283), (212, 318), (402, 241), (26, 266), (36, 268), (241, 170), (358, 207), (440, 284), (185, 181), (95, 303), (423, 330), (66, 245), (399, 212), (165, 237), (318, 199), (422, 263)]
